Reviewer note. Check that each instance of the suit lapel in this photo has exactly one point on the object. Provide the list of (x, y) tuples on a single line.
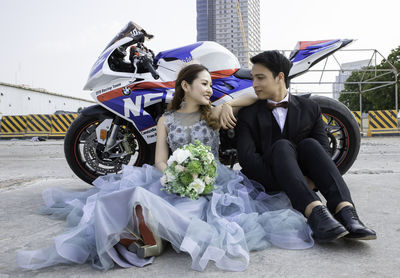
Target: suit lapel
[(292, 118), (264, 124)]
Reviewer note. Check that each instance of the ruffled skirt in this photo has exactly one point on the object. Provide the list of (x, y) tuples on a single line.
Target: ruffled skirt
[(238, 217)]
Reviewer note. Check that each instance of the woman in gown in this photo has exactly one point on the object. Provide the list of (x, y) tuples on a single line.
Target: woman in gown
[(237, 217)]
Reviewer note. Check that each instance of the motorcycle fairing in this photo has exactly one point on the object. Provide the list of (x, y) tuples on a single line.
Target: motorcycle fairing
[(228, 85), (99, 63), (132, 107), (211, 54), (129, 101), (100, 73), (308, 53), (304, 49), (181, 53)]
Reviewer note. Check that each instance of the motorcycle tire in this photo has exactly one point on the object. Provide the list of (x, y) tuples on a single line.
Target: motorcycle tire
[(343, 132), (80, 142)]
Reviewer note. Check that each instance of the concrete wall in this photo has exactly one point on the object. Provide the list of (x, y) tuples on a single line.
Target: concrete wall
[(20, 100)]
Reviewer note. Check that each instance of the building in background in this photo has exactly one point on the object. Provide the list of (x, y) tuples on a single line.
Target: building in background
[(23, 100), (219, 20), (205, 20), (347, 68)]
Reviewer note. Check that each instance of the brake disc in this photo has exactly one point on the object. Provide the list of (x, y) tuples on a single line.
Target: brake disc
[(99, 164)]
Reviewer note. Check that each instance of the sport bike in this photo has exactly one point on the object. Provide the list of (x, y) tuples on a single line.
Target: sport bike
[(132, 87)]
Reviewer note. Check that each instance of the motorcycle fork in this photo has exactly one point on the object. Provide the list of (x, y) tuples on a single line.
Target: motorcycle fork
[(112, 139)]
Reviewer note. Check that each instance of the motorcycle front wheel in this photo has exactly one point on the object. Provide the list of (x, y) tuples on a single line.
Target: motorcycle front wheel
[(87, 157)]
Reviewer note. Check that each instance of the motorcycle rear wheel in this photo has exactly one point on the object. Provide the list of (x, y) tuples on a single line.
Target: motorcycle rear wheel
[(343, 132), (85, 155)]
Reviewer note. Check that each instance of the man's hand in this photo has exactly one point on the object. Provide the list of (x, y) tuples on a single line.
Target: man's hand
[(226, 118)]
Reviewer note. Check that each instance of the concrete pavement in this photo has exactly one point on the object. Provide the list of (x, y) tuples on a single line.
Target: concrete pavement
[(27, 168)]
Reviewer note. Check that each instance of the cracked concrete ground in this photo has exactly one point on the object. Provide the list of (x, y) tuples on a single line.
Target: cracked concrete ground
[(27, 168)]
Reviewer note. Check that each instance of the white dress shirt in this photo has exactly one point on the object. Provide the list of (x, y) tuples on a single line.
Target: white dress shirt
[(280, 113)]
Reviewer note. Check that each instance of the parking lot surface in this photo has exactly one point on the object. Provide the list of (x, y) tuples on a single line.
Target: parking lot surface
[(27, 168)]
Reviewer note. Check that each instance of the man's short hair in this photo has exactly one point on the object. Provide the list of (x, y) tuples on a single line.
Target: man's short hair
[(275, 62)]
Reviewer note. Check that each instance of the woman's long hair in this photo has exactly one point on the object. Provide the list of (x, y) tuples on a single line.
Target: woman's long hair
[(189, 74)]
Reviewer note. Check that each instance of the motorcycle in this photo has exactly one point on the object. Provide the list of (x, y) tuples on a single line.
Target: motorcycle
[(132, 87)]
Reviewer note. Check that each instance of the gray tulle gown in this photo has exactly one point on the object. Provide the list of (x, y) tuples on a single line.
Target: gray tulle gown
[(223, 227)]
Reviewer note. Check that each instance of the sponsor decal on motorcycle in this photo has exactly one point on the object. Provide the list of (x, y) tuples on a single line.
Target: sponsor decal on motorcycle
[(136, 105)]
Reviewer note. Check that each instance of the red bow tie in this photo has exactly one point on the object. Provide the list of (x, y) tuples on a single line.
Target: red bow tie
[(271, 106)]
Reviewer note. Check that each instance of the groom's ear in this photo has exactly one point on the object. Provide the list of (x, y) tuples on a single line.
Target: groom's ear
[(281, 76)]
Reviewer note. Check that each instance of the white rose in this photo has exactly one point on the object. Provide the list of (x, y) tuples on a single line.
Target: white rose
[(181, 155), (171, 160), (179, 168), (164, 180), (170, 175), (210, 157), (191, 155), (195, 176), (208, 180), (198, 185)]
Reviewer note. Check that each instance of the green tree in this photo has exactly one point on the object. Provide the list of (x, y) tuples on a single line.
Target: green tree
[(377, 99)]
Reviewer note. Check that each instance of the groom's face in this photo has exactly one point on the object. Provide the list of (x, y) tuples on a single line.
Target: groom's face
[(265, 85)]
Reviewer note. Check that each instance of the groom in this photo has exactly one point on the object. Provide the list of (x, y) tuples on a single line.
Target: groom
[(282, 144)]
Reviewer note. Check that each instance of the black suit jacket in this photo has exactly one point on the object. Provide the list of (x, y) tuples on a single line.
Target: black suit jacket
[(254, 129)]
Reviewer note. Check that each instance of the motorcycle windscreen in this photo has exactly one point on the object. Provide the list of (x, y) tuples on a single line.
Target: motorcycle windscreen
[(130, 30)]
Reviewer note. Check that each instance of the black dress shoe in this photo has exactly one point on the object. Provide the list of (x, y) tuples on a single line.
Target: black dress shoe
[(324, 226), (357, 230)]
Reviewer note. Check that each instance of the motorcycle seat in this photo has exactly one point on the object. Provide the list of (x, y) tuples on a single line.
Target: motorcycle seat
[(243, 74)]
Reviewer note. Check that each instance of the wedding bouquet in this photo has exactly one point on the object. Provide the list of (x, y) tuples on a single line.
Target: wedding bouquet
[(191, 171)]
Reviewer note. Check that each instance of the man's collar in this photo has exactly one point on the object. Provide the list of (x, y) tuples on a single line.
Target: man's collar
[(286, 98)]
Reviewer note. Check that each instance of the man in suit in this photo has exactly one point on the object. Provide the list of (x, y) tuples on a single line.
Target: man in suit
[(282, 144)]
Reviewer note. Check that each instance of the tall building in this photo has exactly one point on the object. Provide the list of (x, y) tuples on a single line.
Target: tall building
[(348, 69), (219, 20)]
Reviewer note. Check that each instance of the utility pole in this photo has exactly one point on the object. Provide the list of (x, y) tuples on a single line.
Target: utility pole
[(396, 92), (361, 119)]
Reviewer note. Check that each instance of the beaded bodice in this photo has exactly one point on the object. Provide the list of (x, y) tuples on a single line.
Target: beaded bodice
[(184, 128)]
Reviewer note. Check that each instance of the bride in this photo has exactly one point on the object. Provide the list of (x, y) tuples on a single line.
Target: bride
[(126, 219)]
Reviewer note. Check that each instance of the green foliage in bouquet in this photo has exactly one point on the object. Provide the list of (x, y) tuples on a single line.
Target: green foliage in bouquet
[(191, 171)]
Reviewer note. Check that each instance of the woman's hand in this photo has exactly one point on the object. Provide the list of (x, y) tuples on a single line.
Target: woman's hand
[(227, 118)]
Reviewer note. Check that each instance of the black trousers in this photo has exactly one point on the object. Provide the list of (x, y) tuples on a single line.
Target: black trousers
[(289, 165)]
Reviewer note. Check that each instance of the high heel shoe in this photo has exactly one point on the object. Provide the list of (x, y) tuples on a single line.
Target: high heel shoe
[(150, 244), (129, 237)]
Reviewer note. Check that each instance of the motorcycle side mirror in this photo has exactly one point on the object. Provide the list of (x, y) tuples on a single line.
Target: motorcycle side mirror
[(149, 36)]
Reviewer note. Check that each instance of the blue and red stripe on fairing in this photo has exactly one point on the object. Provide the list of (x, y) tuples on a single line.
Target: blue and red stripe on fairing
[(307, 48)]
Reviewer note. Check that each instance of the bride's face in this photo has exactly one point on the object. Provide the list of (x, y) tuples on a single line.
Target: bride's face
[(200, 91)]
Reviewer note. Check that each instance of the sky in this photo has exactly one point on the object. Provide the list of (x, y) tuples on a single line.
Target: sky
[(52, 44)]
